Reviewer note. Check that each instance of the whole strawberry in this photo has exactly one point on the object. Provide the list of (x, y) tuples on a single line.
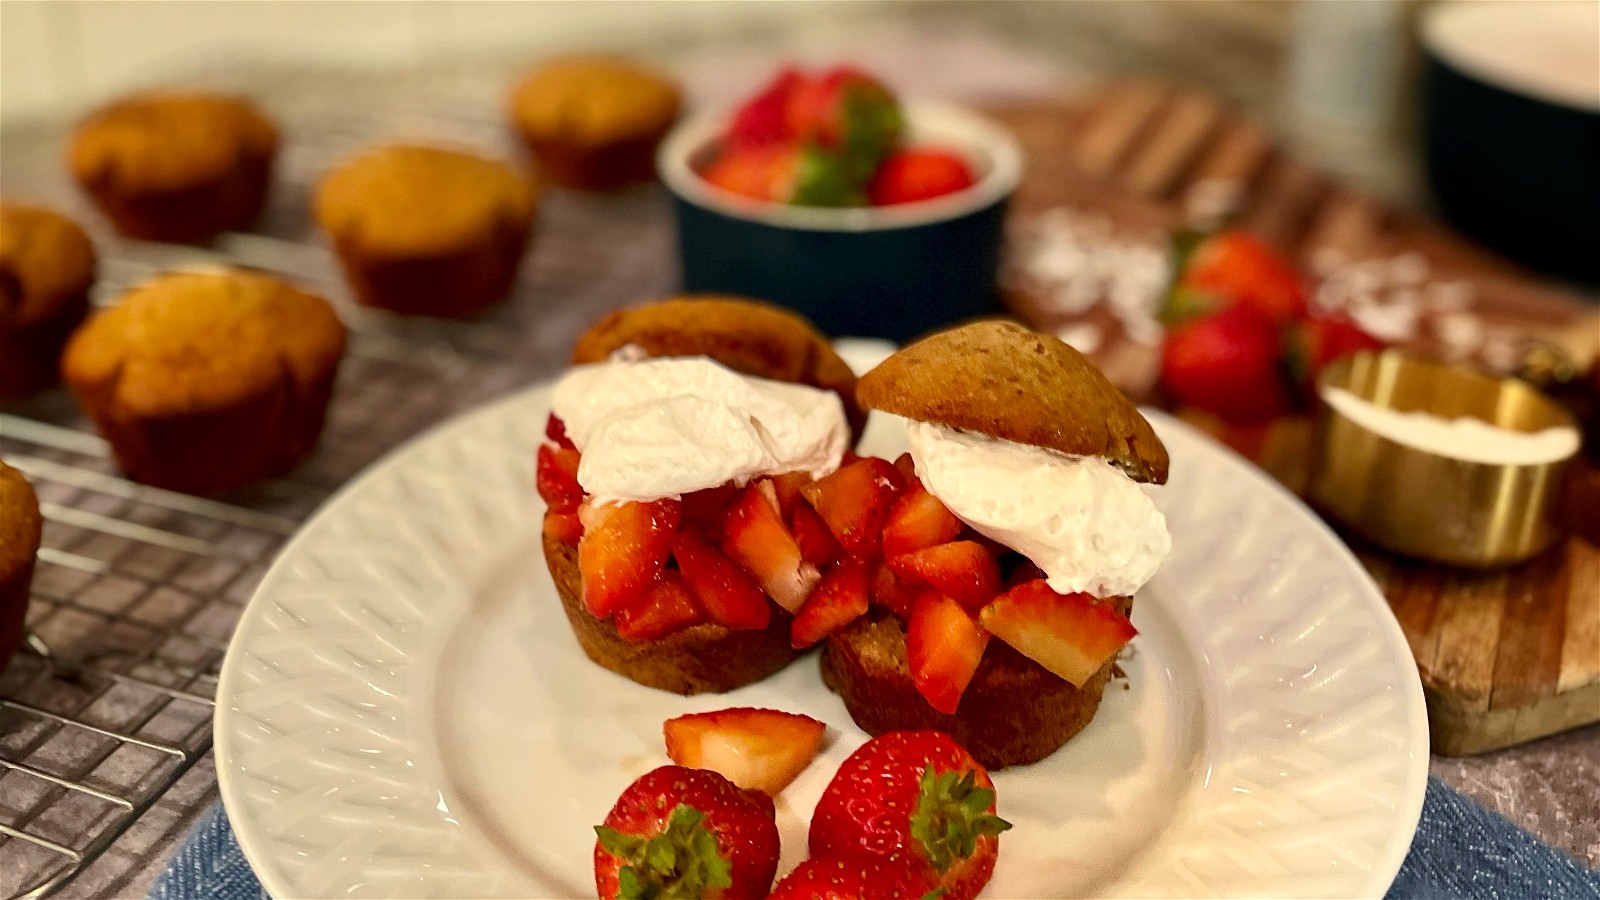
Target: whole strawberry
[(1228, 363), (846, 112), (1235, 268), (856, 877), (686, 833), (1323, 339), (909, 176), (918, 796), (763, 120), (783, 173)]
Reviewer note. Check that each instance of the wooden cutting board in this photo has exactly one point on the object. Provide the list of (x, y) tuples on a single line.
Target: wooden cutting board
[(1505, 656)]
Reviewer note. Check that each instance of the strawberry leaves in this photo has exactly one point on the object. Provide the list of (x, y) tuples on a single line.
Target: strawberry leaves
[(680, 863), (952, 813)]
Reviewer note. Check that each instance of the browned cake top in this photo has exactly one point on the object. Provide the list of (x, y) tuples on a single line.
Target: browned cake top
[(19, 523), (594, 100), (159, 142), (199, 342), (45, 261), (1001, 379), (745, 335), (406, 200)]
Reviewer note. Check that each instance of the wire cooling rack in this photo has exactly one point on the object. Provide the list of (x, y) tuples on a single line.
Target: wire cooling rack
[(137, 590)]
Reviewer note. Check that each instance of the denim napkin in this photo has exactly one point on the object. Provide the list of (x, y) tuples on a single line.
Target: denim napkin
[(1461, 851)]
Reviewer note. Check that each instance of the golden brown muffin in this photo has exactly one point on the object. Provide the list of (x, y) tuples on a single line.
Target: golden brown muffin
[(20, 529), (594, 122), (1000, 379), (204, 383), (46, 267), (747, 336), (176, 166), (425, 230)]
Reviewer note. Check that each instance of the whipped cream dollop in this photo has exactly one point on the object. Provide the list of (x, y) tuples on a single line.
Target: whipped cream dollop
[(1086, 524), (654, 428)]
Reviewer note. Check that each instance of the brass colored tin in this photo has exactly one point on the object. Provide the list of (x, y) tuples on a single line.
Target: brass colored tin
[(1426, 505)]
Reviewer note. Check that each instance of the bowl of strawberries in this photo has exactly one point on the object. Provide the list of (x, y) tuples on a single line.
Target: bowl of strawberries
[(827, 194)]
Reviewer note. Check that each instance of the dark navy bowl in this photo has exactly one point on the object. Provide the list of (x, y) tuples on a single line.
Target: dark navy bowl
[(1512, 150), (892, 272)]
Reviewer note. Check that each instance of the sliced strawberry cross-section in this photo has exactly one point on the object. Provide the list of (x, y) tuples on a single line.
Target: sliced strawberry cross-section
[(840, 599), (855, 501), (727, 592), (759, 749), (668, 607), (943, 647), (963, 570), (916, 520), (556, 475), (754, 536), (623, 550), (1072, 635)]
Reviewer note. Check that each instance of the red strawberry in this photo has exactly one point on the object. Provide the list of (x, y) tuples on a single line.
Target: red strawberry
[(1320, 340), (1227, 363), (855, 501), (906, 466), (707, 509), (804, 176), (847, 112), (667, 608), (816, 542), (943, 648), (855, 878), (893, 592), (564, 527), (787, 489), (1235, 268), (557, 478), (556, 430), (623, 550), (918, 796), (754, 536), (763, 120), (690, 832), (1026, 570), (964, 571), (759, 749), (1072, 635), (918, 520), (908, 176), (839, 599), (726, 592)]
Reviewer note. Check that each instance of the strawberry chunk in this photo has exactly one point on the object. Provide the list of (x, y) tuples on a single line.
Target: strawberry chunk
[(556, 474), (964, 571), (1072, 635), (564, 527), (787, 488), (668, 607), (706, 509), (754, 536), (892, 592), (757, 749), (817, 544), (556, 431), (906, 466), (623, 550), (855, 501), (918, 520), (840, 599), (943, 647), (726, 592)]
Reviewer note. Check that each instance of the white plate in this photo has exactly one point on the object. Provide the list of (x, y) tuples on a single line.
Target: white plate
[(404, 710)]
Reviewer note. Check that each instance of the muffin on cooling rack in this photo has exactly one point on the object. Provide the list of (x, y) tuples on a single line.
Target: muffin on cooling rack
[(46, 267), (20, 528), (176, 166), (594, 122), (426, 230), (207, 382)]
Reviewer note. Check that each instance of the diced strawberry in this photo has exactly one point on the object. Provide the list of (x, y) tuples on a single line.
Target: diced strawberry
[(623, 550), (787, 489), (758, 749), (918, 520), (906, 466), (962, 570), (668, 607), (893, 592), (707, 509), (763, 120), (754, 536), (913, 175), (1025, 570), (855, 501), (816, 542), (839, 599), (943, 646), (556, 430), (726, 592), (1072, 635), (557, 478), (564, 527)]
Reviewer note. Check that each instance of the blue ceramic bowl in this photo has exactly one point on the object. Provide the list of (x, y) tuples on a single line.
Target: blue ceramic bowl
[(892, 272)]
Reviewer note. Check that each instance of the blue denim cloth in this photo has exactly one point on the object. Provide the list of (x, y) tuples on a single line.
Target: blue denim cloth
[(1461, 851)]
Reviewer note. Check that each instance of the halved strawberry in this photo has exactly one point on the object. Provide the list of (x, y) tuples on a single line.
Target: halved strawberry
[(727, 593), (668, 607), (840, 599), (757, 749), (707, 509), (556, 474), (753, 534), (564, 527), (556, 430), (623, 550), (893, 592), (943, 646), (962, 570), (855, 500), (816, 542), (1072, 635), (918, 520)]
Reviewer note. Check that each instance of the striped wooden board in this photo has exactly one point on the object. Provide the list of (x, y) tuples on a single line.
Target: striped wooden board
[(1505, 656)]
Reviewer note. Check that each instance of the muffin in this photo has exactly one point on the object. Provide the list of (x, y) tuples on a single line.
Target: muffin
[(207, 382), (46, 267), (20, 528), (425, 230), (175, 166), (593, 123)]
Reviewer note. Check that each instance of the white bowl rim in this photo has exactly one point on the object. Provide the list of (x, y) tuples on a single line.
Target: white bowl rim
[(966, 127)]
